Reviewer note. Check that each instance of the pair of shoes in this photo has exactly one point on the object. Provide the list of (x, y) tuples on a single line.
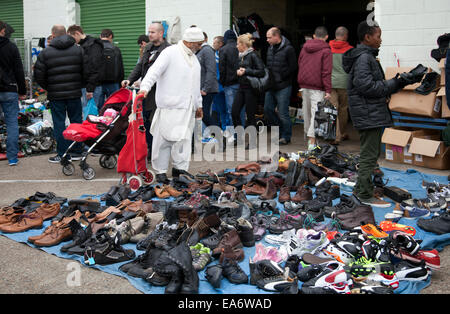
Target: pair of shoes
[(284, 141), (55, 159), (13, 162), (201, 256), (375, 202)]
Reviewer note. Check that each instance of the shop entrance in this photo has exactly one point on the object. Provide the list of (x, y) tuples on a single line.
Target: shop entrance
[(298, 18)]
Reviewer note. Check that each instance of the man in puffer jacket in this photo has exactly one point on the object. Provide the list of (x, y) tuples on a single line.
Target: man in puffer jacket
[(314, 78), (368, 95), (59, 70)]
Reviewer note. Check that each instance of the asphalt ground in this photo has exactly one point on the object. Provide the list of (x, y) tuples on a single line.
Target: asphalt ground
[(26, 270)]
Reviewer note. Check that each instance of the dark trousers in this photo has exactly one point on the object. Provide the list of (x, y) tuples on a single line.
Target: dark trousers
[(370, 141), (148, 116), (207, 109), (59, 108), (248, 98)]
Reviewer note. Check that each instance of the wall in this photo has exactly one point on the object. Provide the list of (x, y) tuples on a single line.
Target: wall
[(40, 16), (410, 28), (212, 16)]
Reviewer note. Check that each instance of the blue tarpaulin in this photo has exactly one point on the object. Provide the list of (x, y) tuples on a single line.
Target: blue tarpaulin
[(410, 180)]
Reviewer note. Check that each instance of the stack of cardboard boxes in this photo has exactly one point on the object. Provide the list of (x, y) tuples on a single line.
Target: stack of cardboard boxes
[(418, 146)]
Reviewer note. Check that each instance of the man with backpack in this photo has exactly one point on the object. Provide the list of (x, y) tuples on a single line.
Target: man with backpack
[(93, 61), (112, 72), (12, 84)]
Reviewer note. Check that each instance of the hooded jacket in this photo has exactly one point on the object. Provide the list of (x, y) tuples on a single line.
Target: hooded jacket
[(228, 63), (59, 69), (338, 76), (282, 62), (315, 65), (367, 89), (93, 62), (12, 77)]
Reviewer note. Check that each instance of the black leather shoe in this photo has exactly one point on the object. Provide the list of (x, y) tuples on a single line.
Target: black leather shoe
[(176, 173), (429, 84), (162, 178)]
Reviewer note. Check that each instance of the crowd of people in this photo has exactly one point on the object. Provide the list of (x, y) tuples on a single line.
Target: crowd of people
[(192, 80)]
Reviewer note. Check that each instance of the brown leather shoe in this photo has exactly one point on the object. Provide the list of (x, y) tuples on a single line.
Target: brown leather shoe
[(303, 194), (107, 212), (22, 223), (172, 191), (246, 169), (230, 238), (253, 188), (285, 194), (57, 235), (234, 254), (65, 220), (270, 192), (161, 192), (7, 214), (47, 211), (222, 186)]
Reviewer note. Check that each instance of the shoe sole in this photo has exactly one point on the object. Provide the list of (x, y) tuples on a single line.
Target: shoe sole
[(377, 205)]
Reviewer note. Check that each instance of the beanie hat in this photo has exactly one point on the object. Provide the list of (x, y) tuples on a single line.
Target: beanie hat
[(229, 34), (193, 34)]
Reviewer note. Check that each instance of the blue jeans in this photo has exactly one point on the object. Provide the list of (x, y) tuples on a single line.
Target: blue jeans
[(59, 108), (230, 94), (219, 108), (103, 92), (10, 105), (280, 98)]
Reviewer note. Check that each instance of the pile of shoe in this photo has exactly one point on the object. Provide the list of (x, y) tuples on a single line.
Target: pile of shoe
[(363, 260)]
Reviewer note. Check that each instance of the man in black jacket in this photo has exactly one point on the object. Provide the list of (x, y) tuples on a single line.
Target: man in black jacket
[(228, 66), (368, 95), (59, 70), (151, 52), (12, 84), (282, 62), (112, 71), (93, 59)]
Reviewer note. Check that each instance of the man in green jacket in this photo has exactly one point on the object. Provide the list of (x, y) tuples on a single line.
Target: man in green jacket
[(339, 82)]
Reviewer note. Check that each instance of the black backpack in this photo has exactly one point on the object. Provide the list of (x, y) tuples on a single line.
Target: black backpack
[(110, 63)]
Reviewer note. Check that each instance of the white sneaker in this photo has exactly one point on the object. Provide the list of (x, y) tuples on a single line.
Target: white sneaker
[(311, 244), (281, 239)]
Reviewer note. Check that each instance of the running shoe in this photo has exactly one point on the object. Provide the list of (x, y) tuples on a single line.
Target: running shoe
[(389, 226)]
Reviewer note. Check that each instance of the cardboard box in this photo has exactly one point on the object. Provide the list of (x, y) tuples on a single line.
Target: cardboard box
[(430, 153), (407, 101), (445, 109), (391, 72), (398, 141), (442, 68)]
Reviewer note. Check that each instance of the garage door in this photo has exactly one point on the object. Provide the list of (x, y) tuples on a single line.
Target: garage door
[(11, 12), (126, 18)]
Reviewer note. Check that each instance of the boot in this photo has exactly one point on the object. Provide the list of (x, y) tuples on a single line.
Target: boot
[(181, 255), (285, 194), (271, 191), (214, 275), (176, 280), (303, 194)]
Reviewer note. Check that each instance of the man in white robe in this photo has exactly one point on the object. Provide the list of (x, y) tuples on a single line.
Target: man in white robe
[(177, 75)]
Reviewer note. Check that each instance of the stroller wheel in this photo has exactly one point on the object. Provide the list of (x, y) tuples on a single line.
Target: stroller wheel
[(135, 182), (149, 177), (89, 173), (108, 162), (68, 170)]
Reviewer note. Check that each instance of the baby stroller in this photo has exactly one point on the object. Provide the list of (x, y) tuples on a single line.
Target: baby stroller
[(105, 136), (132, 162)]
